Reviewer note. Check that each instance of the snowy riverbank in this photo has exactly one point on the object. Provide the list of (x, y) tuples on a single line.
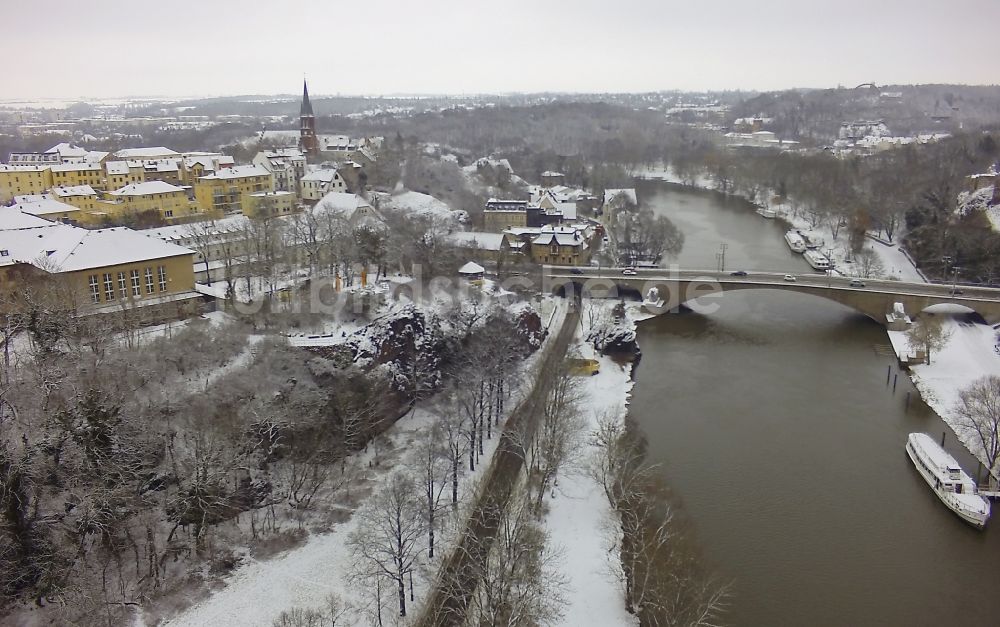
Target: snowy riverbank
[(895, 263), (968, 355), (580, 521)]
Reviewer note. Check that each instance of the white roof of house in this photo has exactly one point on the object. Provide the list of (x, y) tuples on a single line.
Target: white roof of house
[(116, 167), (147, 188), (68, 248), (484, 241), (564, 236), (277, 193), (237, 172), (26, 198), (45, 207), (23, 167), (74, 167), (66, 149), (73, 190), (471, 268), (146, 153), (341, 202), (551, 173), (14, 218), (208, 160), (325, 175)]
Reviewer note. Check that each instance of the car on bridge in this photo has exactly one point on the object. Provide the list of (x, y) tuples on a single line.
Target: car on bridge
[(856, 283), (576, 271), (790, 278), (738, 273), (629, 272)]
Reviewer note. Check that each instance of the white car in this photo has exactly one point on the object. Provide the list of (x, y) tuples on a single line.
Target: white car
[(790, 278), (629, 272)]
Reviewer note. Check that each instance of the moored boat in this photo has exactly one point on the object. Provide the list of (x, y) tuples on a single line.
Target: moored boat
[(950, 483), (766, 212), (795, 241), (817, 260)]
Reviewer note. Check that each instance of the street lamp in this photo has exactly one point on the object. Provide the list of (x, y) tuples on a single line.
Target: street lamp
[(954, 278)]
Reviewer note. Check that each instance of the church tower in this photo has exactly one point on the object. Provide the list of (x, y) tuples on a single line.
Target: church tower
[(307, 125)]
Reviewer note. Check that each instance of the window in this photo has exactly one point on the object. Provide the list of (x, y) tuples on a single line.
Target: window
[(134, 275), (169, 213), (122, 285), (109, 287), (149, 280), (161, 274), (95, 289)]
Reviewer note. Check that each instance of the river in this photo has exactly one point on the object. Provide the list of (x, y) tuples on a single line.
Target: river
[(776, 430)]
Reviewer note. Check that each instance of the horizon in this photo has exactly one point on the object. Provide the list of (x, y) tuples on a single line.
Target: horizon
[(447, 48)]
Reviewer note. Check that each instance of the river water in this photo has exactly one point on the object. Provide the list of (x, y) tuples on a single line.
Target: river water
[(776, 430)]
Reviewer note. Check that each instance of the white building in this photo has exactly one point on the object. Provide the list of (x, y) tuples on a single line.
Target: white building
[(315, 185)]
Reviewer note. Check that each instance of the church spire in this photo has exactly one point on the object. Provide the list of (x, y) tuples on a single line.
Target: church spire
[(307, 108), (308, 142)]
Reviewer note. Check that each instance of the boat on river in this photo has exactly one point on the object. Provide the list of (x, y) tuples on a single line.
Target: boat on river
[(795, 241), (766, 212), (817, 260), (950, 483)]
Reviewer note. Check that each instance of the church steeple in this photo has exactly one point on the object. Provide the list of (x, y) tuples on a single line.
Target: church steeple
[(308, 143), (307, 108)]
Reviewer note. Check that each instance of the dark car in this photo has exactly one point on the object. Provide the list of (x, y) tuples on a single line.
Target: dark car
[(576, 271), (738, 273), (956, 292)]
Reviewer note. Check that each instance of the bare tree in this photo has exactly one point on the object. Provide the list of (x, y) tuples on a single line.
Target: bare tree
[(557, 438), (388, 537), (518, 584), (430, 459), (870, 265), (978, 410), (929, 334)]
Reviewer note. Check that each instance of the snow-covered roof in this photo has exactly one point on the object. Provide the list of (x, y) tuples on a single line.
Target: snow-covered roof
[(45, 207), (208, 161), (147, 188), (236, 172), (563, 237), (67, 150), (151, 152), (471, 268), (26, 198), (66, 248), (19, 167), (76, 167), (484, 241), (324, 175), (73, 190), (551, 173), (12, 218)]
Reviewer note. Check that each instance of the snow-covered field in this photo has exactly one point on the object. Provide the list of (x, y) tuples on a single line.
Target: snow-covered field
[(968, 355), (580, 518)]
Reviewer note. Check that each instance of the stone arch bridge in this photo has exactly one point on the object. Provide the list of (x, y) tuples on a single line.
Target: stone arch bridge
[(875, 298)]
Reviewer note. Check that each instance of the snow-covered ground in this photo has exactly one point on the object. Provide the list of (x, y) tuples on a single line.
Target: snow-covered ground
[(258, 591), (968, 355), (425, 205), (580, 519)]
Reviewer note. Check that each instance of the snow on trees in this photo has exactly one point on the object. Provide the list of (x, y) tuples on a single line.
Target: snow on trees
[(978, 411)]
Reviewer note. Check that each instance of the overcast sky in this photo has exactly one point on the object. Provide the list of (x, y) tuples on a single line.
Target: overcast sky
[(109, 48)]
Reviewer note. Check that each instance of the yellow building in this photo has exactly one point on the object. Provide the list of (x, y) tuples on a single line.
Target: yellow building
[(106, 269), (121, 173), (45, 207), (17, 180), (504, 214), (170, 201), (560, 245), (229, 190), (76, 174), (82, 197), (277, 203)]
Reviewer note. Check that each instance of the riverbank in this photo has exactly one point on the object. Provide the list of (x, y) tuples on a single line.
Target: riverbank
[(896, 264), (969, 354), (579, 518)]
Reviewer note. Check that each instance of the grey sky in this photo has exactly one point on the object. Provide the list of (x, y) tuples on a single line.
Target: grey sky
[(107, 48)]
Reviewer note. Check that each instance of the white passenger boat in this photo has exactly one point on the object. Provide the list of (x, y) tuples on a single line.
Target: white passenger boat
[(955, 488), (795, 241), (817, 260), (766, 213)]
